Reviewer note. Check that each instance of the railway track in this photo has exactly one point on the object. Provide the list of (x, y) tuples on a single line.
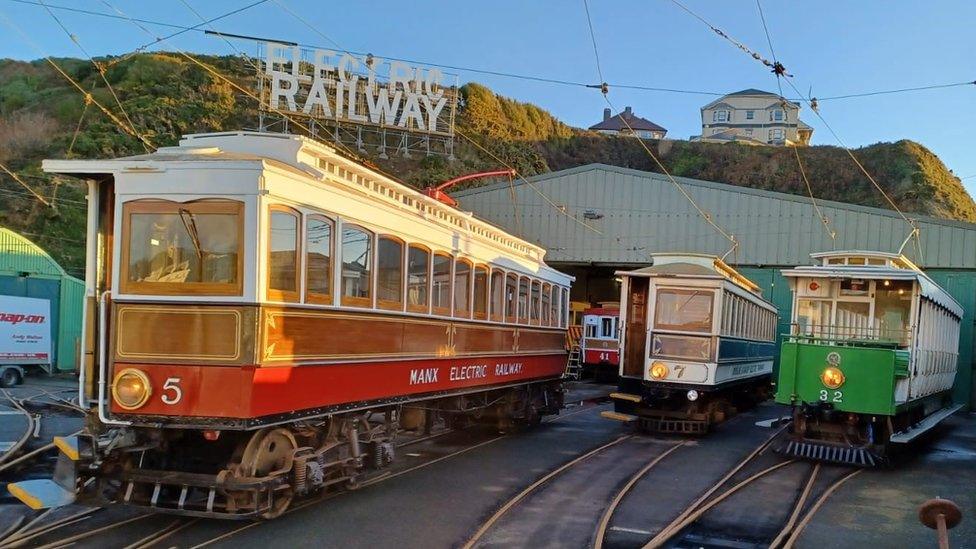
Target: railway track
[(688, 530), (157, 534)]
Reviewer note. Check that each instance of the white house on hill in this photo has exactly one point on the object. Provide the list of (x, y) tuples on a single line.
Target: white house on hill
[(754, 117)]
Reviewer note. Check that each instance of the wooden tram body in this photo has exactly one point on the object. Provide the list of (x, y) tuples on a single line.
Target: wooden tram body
[(600, 342), (265, 314), (871, 357), (697, 342)]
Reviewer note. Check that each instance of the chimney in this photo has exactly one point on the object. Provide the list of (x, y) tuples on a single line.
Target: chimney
[(606, 114), (628, 112)]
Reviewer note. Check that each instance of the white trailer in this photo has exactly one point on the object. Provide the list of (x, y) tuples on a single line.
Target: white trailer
[(25, 337)]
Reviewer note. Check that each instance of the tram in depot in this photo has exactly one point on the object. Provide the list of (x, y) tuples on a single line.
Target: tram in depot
[(871, 357), (265, 315), (697, 344), (600, 344)]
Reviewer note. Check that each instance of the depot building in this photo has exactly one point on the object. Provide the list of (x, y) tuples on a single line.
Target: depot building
[(608, 218)]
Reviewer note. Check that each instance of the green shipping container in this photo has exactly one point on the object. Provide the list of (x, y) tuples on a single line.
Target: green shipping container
[(26, 270)]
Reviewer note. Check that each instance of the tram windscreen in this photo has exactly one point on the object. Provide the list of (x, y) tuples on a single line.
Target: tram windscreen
[(171, 244), (684, 310), (695, 348)]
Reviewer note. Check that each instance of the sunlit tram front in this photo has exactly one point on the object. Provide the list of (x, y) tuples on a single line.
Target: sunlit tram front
[(871, 357), (697, 344), (264, 316)]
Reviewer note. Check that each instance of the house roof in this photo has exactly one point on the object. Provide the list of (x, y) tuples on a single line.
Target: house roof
[(751, 91), (634, 122)]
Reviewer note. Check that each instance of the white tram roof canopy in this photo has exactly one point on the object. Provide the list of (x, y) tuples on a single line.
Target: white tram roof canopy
[(304, 156), (691, 265), (872, 265)]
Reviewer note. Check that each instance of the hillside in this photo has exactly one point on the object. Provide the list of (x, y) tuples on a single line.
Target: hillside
[(166, 95)]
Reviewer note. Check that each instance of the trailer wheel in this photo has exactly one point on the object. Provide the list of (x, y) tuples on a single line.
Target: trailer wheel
[(10, 377)]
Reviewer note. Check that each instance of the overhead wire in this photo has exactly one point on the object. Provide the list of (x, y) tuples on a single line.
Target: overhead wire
[(796, 151), (532, 186), (98, 67), (120, 123), (911, 223), (701, 211), (24, 184), (474, 70)]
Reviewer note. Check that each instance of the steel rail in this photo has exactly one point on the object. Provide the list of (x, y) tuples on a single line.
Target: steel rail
[(797, 508), (656, 541), (27, 432), (89, 533), (535, 485), (378, 480), (601, 530), (791, 541)]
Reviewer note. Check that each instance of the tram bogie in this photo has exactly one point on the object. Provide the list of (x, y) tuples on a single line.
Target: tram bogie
[(264, 316), (697, 344)]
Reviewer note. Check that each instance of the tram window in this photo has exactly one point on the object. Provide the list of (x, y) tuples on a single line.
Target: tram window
[(357, 265), (318, 260), (182, 248), (481, 292), (892, 307), (442, 284), (283, 254), (812, 316), (685, 310), (418, 279), (554, 307), (606, 326), (523, 300), (534, 304), (462, 288), (497, 295), (511, 298), (545, 309), (389, 273)]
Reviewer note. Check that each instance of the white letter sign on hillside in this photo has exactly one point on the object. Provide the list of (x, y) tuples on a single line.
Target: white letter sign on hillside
[(342, 87)]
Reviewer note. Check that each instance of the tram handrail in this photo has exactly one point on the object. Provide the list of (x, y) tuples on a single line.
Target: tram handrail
[(102, 363), (849, 335)]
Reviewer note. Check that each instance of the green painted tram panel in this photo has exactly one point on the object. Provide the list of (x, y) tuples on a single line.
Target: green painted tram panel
[(869, 376)]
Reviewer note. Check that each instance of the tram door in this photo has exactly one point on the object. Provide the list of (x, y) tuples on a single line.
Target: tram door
[(635, 343)]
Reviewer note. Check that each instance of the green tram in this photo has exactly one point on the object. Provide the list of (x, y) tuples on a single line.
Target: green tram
[(870, 359)]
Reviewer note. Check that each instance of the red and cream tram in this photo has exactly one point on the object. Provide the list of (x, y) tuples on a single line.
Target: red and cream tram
[(264, 315), (600, 344)]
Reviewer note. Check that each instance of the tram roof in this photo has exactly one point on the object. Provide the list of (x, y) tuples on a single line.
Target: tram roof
[(692, 265), (895, 267)]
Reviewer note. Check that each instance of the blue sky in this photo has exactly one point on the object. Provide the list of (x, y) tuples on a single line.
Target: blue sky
[(833, 47)]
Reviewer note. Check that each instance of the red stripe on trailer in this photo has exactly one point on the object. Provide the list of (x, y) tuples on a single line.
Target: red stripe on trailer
[(251, 392)]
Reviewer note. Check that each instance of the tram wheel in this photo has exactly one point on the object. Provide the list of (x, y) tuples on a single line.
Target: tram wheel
[(270, 452)]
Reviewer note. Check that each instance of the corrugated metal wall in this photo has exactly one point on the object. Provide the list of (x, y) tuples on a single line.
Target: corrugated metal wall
[(641, 213), (28, 271)]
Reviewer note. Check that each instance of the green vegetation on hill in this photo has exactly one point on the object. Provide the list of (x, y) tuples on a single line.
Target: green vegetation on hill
[(166, 95)]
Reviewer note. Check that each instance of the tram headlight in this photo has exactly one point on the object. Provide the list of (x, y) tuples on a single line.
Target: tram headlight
[(659, 370), (832, 377), (131, 388), (692, 395)]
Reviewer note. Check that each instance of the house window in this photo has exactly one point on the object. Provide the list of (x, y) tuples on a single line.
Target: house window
[(778, 115), (750, 115), (720, 116), (748, 131), (776, 133)]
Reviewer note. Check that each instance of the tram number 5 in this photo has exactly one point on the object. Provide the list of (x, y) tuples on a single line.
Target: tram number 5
[(172, 393), (837, 396)]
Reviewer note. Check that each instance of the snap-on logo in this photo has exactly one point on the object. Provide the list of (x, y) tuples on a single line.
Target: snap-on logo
[(16, 318)]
